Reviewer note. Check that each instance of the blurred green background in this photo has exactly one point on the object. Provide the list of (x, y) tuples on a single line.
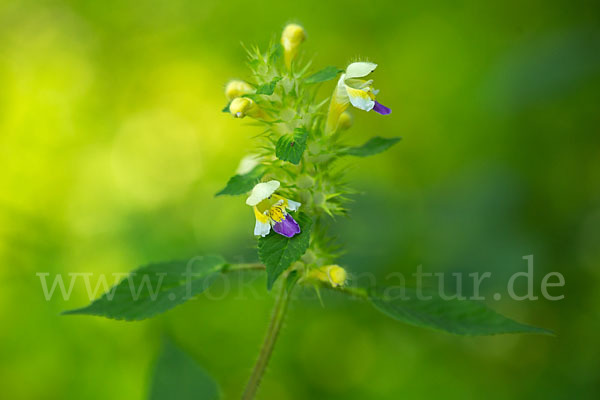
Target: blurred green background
[(112, 144)]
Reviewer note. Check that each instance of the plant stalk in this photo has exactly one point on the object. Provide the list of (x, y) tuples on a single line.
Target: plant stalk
[(281, 303)]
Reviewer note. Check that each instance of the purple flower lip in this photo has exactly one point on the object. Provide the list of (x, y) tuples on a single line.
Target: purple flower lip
[(381, 109), (287, 227)]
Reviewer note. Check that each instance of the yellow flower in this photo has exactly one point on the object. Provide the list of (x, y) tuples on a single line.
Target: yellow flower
[(237, 88), (332, 274), (271, 209), (291, 38), (353, 90)]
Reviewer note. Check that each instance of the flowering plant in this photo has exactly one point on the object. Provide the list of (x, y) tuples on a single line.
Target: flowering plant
[(295, 184)]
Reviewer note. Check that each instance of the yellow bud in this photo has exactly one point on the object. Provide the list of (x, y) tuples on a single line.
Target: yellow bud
[(240, 106), (346, 120), (237, 89), (337, 275), (291, 38), (332, 274)]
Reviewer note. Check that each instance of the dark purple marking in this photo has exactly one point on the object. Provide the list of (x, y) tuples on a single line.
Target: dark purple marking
[(287, 227), (381, 109)]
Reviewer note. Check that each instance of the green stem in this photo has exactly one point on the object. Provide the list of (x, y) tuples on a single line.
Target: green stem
[(266, 350)]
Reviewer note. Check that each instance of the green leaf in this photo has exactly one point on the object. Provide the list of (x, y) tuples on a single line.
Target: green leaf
[(155, 288), (373, 146), (268, 88), (290, 147), (226, 109), (240, 184), (461, 317), (275, 53), (278, 252), (178, 376), (324, 75)]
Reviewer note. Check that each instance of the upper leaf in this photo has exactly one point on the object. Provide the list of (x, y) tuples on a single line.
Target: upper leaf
[(373, 146), (268, 88), (278, 252), (461, 317), (178, 376), (290, 147), (326, 74), (155, 288), (240, 184), (275, 53)]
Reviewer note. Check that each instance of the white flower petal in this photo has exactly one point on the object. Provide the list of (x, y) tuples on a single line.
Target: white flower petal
[(262, 228), (340, 95), (359, 69), (261, 191), (293, 205), (360, 99)]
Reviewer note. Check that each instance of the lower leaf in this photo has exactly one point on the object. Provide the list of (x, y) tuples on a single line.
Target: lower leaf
[(461, 317), (178, 376), (155, 288)]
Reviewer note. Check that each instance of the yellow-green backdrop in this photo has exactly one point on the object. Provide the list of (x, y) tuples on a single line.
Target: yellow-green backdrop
[(112, 145)]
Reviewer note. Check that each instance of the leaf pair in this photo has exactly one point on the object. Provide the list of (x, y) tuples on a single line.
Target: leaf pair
[(289, 148), (158, 287)]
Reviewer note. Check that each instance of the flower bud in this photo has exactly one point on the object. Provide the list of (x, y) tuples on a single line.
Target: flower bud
[(247, 164), (291, 38), (346, 120), (337, 275), (240, 107), (237, 88), (305, 181), (332, 274), (319, 198)]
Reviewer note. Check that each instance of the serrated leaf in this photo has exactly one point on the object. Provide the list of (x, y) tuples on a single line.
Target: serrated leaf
[(324, 75), (268, 88), (461, 317), (372, 146), (178, 376), (155, 288), (278, 252), (290, 147), (240, 184)]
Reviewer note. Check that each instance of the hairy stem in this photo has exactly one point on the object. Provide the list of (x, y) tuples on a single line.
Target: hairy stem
[(266, 350)]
